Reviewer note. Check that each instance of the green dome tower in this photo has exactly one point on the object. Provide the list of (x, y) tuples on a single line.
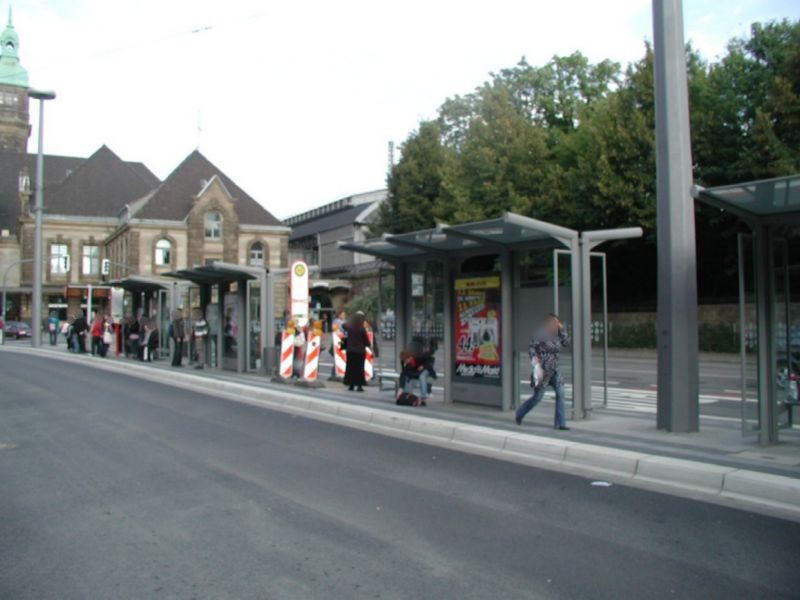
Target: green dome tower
[(14, 121)]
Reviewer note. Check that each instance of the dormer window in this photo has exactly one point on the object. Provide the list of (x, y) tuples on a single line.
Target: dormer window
[(213, 225)]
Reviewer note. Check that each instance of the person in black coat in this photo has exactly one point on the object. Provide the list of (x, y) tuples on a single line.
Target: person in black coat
[(79, 329), (356, 344)]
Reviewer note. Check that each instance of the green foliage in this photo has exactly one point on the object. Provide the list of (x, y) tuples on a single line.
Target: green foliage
[(641, 335), (367, 301), (574, 143)]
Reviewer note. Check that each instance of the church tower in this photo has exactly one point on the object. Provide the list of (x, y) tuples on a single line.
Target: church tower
[(15, 127)]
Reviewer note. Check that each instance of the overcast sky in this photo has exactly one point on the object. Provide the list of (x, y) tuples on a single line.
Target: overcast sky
[(297, 101)]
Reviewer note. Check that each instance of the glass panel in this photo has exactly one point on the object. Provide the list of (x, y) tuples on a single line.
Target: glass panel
[(544, 287), (254, 328), (748, 336), (230, 332), (785, 384)]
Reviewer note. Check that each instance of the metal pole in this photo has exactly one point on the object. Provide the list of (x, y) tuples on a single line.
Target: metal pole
[(605, 331), (449, 330), (678, 405), (583, 340), (506, 331), (578, 391), (37, 235)]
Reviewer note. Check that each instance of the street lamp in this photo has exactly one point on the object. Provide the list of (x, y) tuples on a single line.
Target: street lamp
[(38, 208)]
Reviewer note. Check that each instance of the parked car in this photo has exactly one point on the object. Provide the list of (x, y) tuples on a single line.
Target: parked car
[(18, 329)]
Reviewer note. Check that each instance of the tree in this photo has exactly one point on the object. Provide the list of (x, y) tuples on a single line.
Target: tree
[(414, 183)]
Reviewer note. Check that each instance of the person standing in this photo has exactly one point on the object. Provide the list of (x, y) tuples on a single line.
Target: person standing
[(200, 327), (52, 327), (79, 330), (356, 344), (178, 334), (545, 346), (108, 338), (97, 334)]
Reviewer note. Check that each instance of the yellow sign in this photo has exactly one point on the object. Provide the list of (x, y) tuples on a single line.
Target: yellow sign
[(478, 283), (299, 270)]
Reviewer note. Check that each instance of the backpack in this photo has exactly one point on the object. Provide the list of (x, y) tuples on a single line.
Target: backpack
[(407, 399)]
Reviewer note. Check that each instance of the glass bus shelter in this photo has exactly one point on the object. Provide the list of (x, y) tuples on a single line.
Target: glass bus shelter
[(488, 311), (769, 311)]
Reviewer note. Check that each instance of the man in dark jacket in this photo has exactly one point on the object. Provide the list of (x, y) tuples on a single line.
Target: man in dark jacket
[(178, 334), (79, 330)]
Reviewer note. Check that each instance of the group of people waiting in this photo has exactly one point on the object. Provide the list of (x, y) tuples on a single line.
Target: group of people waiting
[(79, 333)]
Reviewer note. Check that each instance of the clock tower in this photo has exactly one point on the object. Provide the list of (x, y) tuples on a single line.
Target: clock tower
[(15, 127)]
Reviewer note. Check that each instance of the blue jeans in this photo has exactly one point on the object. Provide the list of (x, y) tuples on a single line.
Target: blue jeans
[(423, 384), (557, 383)]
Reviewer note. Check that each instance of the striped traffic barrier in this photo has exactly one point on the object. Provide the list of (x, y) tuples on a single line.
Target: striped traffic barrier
[(339, 354), (311, 370), (369, 361), (287, 354)]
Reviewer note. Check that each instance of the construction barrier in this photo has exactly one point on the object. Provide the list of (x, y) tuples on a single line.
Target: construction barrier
[(369, 361), (287, 354), (311, 369), (339, 354)]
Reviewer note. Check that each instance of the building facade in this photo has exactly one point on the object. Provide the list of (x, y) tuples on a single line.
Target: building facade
[(103, 208)]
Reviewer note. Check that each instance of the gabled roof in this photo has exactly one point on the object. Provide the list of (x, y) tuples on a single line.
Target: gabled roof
[(174, 198), (56, 169), (100, 187), (326, 222)]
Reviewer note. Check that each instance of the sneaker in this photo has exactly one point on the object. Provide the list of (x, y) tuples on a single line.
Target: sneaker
[(562, 428)]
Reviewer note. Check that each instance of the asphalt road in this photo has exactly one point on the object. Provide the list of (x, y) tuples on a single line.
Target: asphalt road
[(116, 487)]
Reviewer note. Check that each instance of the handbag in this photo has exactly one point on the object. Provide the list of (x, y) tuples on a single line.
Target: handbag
[(107, 339)]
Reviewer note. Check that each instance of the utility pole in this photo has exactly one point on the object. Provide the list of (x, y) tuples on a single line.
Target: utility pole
[(38, 210), (678, 403)]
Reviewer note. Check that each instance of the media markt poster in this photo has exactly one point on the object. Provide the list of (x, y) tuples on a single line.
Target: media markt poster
[(478, 327)]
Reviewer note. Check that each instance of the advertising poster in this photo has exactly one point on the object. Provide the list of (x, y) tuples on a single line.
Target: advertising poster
[(477, 325)]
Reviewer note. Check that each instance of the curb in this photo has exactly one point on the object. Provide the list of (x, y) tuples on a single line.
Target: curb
[(741, 488)]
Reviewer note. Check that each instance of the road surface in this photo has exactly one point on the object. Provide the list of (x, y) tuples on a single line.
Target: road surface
[(116, 487)]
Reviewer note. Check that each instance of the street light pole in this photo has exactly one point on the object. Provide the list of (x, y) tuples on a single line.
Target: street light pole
[(677, 405), (38, 210)]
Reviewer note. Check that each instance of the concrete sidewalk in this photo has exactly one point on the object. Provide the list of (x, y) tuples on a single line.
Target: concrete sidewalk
[(717, 464)]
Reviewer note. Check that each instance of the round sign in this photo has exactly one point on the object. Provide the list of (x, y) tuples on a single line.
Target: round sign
[(300, 270)]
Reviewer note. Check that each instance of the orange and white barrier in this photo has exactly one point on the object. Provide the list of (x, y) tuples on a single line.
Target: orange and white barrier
[(369, 361), (339, 354), (287, 354), (311, 369)]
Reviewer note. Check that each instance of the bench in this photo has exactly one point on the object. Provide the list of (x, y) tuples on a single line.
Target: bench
[(392, 377)]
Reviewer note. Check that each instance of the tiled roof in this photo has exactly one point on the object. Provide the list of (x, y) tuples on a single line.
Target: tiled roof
[(174, 198), (98, 185)]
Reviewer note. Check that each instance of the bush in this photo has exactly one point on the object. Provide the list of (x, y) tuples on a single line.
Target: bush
[(718, 337), (642, 335)]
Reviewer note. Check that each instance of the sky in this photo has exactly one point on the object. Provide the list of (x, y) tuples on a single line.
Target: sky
[(297, 101)]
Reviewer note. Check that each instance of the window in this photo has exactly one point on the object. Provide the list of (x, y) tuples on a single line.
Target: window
[(163, 252), (257, 255), (59, 259), (213, 224), (91, 260)]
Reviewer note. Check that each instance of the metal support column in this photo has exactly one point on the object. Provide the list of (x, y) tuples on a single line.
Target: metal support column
[(678, 403), (766, 319), (578, 390), (244, 326), (583, 342), (267, 323), (401, 310), (506, 330), (222, 288), (449, 329)]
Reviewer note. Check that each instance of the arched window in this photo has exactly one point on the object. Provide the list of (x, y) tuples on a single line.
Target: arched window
[(213, 225), (163, 252), (257, 254)]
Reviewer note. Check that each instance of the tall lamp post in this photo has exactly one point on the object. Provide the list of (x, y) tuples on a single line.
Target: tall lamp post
[(677, 406), (38, 208)]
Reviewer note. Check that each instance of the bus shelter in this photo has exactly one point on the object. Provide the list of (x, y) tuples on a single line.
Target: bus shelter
[(769, 313), (237, 302), (487, 315), (153, 298)]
